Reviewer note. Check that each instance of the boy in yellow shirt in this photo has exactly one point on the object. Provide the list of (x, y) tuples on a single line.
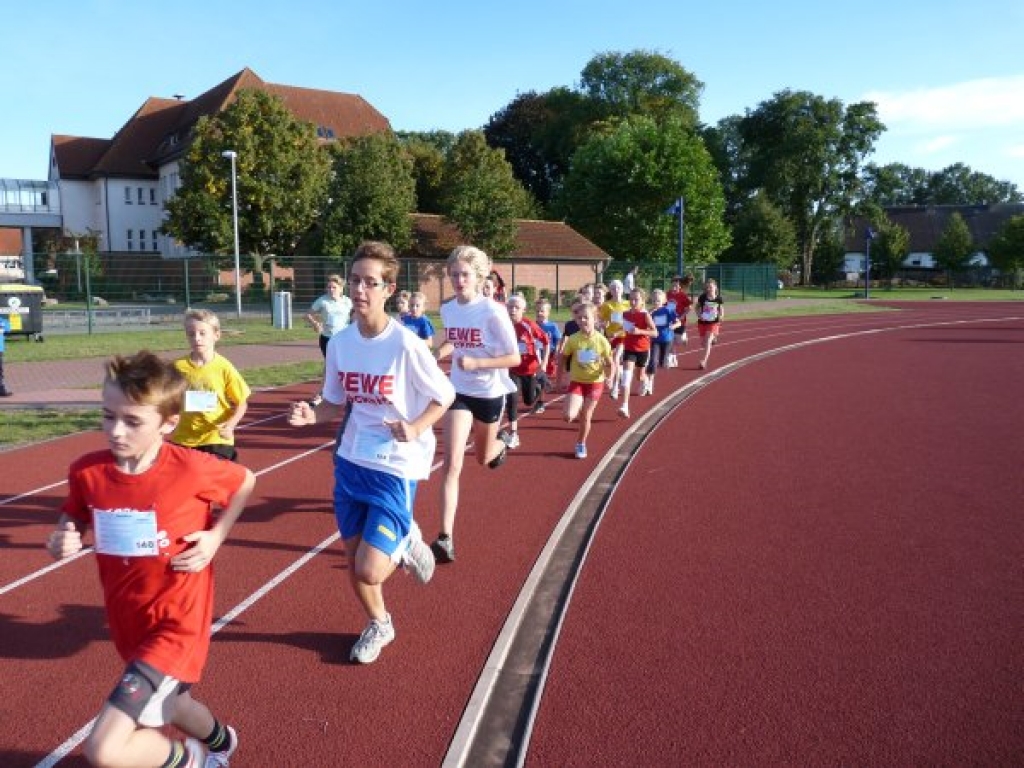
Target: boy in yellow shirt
[(217, 395)]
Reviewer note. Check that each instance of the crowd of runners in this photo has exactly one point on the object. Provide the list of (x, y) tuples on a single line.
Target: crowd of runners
[(163, 497)]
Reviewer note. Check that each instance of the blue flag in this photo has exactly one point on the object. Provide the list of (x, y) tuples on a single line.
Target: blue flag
[(673, 210)]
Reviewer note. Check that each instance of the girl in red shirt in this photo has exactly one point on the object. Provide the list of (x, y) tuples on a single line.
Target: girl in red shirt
[(639, 329)]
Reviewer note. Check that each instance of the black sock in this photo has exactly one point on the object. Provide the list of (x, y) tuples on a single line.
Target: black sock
[(219, 739), (177, 757)]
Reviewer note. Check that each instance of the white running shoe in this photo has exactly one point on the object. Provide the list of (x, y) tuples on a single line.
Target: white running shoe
[(581, 451), (624, 411), (417, 558), (195, 753), (513, 440), (376, 635), (220, 759), (614, 393)]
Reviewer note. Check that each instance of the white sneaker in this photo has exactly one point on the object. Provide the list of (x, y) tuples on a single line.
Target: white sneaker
[(513, 440), (624, 411), (581, 451), (417, 558), (650, 386), (220, 759), (614, 392), (195, 753), (376, 635)]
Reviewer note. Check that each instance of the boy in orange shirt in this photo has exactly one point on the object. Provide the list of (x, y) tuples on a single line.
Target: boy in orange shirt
[(150, 503)]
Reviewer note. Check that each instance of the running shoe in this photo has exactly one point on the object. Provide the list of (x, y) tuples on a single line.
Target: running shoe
[(376, 635), (624, 411), (581, 451), (443, 549), (614, 393), (418, 559), (195, 753), (498, 460), (702, 366), (513, 440), (539, 408), (220, 759)]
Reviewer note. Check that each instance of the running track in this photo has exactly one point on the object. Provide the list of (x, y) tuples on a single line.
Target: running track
[(814, 557)]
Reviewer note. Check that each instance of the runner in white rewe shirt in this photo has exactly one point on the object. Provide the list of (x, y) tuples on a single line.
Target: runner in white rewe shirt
[(395, 392), (479, 336)]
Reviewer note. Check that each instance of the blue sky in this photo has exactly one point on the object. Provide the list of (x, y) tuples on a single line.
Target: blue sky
[(947, 75)]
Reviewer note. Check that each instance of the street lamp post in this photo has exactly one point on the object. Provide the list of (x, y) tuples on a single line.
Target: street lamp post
[(233, 157)]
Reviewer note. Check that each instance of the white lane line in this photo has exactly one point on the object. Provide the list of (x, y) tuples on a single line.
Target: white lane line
[(68, 560)]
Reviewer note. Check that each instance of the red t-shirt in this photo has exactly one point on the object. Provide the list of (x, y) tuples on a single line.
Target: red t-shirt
[(682, 302), (156, 614), (636, 342), (528, 336)]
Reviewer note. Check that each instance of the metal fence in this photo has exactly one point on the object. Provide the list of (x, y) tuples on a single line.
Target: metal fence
[(737, 282)]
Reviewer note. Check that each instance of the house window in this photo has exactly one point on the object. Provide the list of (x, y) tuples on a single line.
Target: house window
[(154, 241), (152, 195), (141, 201), (130, 232), (127, 195)]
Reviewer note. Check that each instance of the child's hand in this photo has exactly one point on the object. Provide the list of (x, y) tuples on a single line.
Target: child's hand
[(301, 414), (204, 546), (226, 432), (401, 431), (65, 541), (466, 363)]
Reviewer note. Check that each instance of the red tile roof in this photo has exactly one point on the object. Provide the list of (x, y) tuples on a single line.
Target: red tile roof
[(160, 130), (536, 240)]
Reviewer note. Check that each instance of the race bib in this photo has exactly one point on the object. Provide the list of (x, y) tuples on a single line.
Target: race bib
[(710, 314), (628, 326), (523, 347), (127, 533), (200, 401), (616, 317), (587, 356), (661, 320), (372, 445)]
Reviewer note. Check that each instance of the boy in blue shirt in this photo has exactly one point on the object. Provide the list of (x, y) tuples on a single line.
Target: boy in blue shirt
[(416, 321), (5, 328)]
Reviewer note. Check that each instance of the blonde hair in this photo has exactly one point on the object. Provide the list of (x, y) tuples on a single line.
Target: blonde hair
[(146, 379), (336, 279), (417, 295), (477, 260), (518, 299), (658, 296), (203, 316)]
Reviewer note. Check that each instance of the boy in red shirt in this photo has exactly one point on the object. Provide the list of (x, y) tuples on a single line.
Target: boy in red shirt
[(533, 352), (150, 505), (679, 300)]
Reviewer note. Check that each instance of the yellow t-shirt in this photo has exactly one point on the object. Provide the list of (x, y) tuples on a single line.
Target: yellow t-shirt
[(213, 392), (611, 313), (587, 356)]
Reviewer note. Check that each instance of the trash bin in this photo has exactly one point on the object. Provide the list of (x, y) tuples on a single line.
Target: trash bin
[(23, 306), (281, 309)]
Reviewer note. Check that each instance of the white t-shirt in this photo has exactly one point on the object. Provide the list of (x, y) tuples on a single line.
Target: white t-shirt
[(479, 328), (335, 313), (392, 377)]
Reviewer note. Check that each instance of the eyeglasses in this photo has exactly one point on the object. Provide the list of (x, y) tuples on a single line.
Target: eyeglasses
[(368, 283)]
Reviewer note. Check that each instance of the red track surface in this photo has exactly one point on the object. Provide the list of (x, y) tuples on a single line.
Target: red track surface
[(815, 560)]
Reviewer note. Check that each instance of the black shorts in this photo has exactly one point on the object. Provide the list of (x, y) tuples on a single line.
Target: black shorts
[(220, 450), (146, 694), (485, 409), (639, 358)]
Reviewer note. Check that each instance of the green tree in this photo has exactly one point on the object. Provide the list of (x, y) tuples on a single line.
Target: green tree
[(957, 184), (806, 152), (1006, 250), (281, 179), (622, 179), (889, 247), (763, 235), (831, 255), (481, 196), (955, 246), (371, 194), (725, 143), (895, 184), (641, 83)]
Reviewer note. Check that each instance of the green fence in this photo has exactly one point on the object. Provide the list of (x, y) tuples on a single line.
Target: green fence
[(737, 282)]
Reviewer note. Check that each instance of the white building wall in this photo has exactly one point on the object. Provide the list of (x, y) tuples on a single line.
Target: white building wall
[(134, 214), (82, 207)]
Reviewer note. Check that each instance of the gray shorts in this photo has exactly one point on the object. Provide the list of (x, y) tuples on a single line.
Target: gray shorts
[(147, 695)]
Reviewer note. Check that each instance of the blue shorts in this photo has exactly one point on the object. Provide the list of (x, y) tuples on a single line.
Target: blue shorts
[(372, 504)]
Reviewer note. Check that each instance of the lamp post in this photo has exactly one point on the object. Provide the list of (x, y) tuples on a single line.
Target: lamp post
[(231, 155), (678, 209), (869, 235)]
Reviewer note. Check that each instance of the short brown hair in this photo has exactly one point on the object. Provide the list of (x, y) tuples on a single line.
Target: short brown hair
[(146, 379), (382, 253)]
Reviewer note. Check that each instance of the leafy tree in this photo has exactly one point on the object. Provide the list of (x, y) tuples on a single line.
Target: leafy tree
[(806, 152), (955, 246), (641, 83), (1006, 249), (895, 184), (725, 143), (371, 195), (763, 235), (427, 160), (281, 179), (889, 247), (622, 179), (481, 197), (831, 255), (957, 184)]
